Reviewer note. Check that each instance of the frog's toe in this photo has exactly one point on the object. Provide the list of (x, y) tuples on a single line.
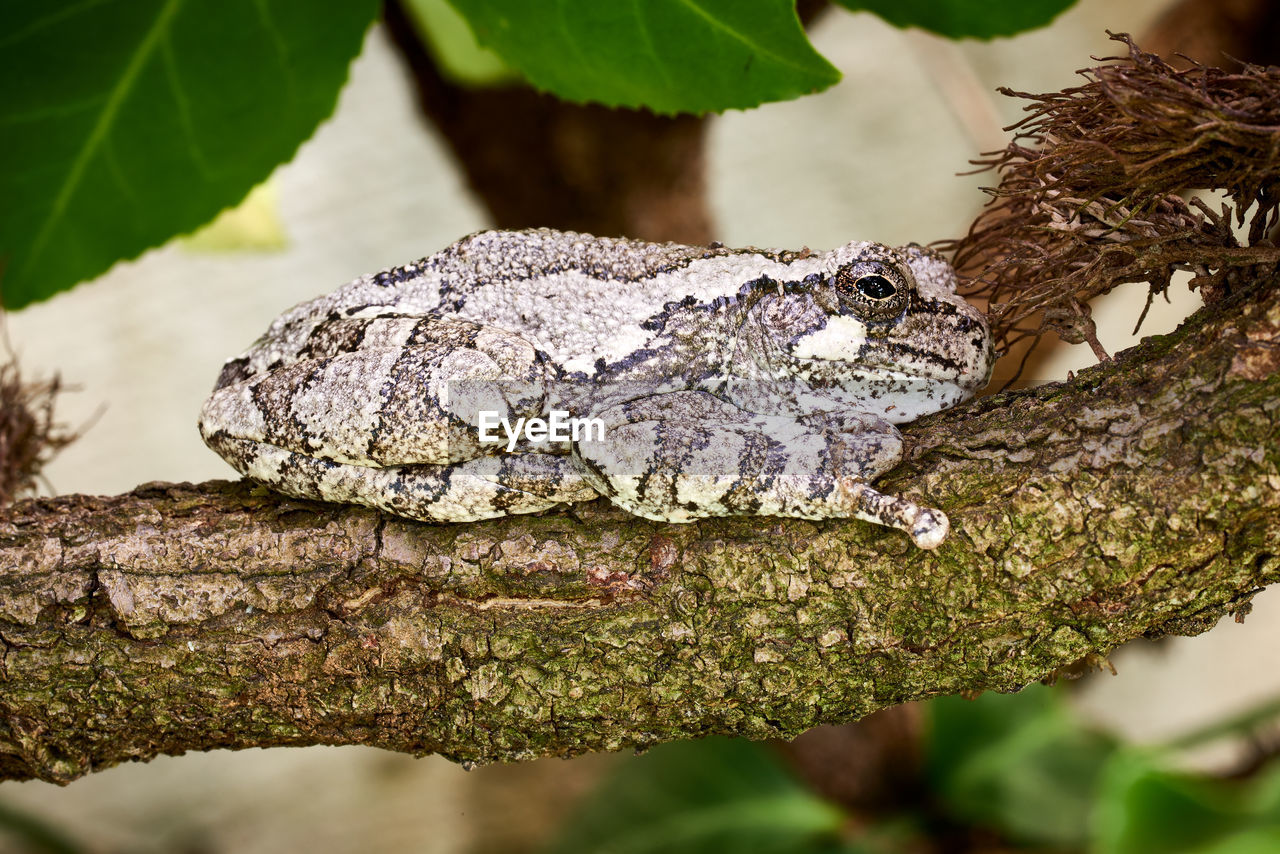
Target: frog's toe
[(926, 526), (929, 528)]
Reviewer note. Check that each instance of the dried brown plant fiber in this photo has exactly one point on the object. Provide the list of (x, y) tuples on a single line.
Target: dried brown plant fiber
[(1097, 188)]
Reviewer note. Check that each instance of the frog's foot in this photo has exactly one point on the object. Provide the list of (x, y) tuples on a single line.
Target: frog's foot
[(926, 526), (687, 455)]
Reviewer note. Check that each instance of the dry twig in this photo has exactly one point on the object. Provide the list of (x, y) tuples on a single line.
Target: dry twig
[(29, 435), (1092, 193)]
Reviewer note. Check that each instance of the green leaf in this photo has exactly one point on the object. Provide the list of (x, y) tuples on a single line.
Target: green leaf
[(671, 56), (981, 19), (1144, 808), (713, 795), (1261, 841), (1019, 763), (126, 122), (453, 46)]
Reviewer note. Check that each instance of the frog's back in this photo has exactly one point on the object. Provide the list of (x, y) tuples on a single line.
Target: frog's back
[(510, 259), (575, 296)]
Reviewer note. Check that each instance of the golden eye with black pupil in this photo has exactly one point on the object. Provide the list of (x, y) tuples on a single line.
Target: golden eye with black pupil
[(872, 291)]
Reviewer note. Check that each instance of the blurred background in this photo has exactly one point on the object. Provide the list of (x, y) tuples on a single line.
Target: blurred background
[(873, 158)]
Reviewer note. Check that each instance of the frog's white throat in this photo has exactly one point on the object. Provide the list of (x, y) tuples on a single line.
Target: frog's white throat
[(831, 360), (840, 339)]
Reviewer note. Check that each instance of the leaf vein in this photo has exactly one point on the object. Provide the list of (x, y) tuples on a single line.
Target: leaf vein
[(755, 46), (642, 28), (100, 130), (51, 112), (49, 20), (281, 46), (184, 109)]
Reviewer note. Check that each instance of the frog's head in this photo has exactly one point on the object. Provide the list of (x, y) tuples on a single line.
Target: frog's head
[(895, 332)]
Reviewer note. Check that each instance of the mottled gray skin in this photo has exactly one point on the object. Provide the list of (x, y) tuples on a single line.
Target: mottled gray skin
[(727, 381)]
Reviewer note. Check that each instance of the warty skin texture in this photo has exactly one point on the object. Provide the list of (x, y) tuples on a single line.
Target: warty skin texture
[(729, 381)]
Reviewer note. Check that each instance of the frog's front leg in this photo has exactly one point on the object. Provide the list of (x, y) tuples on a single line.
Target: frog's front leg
[(688, 455)]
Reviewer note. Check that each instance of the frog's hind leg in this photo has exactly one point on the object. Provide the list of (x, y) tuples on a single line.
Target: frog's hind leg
[(384, 391), (480, 488), (687, 455)]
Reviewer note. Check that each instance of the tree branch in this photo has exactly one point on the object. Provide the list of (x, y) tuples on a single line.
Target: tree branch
[(1140, 498)]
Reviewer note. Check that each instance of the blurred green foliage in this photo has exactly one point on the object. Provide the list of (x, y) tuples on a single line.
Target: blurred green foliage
[(27, 834), (454, 47), (981, 19), (1144, 807), (1022, 768), (708, 796), (1020, 763)]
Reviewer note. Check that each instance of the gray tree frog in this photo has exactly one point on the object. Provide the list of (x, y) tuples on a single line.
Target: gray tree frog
[(709, 381)]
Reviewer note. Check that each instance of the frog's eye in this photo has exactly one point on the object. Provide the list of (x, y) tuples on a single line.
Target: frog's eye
[(875, 287), (872, 291)]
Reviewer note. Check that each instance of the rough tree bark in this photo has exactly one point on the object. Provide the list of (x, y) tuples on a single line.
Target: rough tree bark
[(1138, 499)]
